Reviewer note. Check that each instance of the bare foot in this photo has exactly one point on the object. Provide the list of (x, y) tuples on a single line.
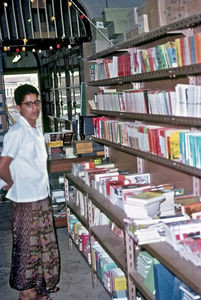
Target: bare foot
[(29, 294)]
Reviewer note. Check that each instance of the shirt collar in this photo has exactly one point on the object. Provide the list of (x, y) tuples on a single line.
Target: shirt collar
[(24, 122)]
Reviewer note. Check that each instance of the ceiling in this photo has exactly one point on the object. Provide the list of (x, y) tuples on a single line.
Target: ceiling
[(42, 24)]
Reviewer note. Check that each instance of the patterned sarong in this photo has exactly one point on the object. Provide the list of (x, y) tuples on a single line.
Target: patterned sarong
[(35, 257)]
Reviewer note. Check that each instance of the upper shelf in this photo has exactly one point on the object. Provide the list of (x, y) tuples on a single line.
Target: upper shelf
[(160, 32), (171, 73), (173, 120), (152, 157)]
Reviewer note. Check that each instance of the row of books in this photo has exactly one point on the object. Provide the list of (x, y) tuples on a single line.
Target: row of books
[(133, 193), (185, 101), (80, 236), (80, 201), (160, 281), (183, 145), (112, 277), (180, 52)]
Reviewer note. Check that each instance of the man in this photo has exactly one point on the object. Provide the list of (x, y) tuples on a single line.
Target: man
[(23, 168)]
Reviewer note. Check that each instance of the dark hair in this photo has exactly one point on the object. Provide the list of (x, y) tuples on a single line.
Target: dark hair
[(23, 90)]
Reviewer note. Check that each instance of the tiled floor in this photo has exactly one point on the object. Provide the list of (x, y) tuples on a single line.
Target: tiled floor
[(75, 279)]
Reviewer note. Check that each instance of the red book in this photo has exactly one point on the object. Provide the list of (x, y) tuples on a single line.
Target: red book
[(197, 42), (150, 59), (182, 49), (106, 62)]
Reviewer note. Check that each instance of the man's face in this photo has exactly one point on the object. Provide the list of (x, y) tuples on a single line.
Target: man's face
[(30, 108)]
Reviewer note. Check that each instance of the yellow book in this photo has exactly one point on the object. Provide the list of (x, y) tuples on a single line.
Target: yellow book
[(179, 54), (120, 283), (76, 228), (55, 144), (93, 259), (174, 145)]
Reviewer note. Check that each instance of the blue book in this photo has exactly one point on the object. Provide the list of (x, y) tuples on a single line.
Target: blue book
[(164, 282), (182, 147), (192, 45), (187, 293)]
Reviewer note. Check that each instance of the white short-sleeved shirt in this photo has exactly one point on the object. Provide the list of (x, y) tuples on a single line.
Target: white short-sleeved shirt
[(26, 145)]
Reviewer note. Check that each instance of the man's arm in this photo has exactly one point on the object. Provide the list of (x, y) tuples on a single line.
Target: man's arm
[(5, 162)]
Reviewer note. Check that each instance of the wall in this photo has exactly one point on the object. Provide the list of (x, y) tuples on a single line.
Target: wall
[(94, 8)]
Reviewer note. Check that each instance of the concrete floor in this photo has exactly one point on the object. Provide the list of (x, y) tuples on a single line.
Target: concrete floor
[(75, 278)]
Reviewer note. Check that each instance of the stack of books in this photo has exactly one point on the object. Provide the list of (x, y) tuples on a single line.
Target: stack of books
[(87, 148), (145, 231), (54, 143), (185, 237)]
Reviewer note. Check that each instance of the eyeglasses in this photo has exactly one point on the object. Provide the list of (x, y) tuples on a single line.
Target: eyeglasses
[(30, 103)]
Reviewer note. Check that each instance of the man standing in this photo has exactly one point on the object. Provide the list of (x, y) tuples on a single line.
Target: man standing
[(23, 168)]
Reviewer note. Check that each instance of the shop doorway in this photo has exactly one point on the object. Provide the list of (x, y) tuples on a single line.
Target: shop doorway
[(11, 83)]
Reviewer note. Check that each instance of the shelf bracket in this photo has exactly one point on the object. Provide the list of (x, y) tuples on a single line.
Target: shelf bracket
[(130, 266), (92, 240), (140, 165), (196, 186)]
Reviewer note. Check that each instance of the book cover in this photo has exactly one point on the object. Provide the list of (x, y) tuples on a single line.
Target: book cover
[(197, 41), (172, 54), (192, 49), (179, 54), (164, 282), (189, 209)]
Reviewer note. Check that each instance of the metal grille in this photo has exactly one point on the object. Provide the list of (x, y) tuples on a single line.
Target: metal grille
[(41, 22)]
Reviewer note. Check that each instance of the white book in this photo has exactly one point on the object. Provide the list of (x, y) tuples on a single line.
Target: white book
[(173, 102), (181, 97)]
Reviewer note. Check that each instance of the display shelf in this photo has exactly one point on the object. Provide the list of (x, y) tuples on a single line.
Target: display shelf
[(170, 73), (115, 213), (65, 164), (139, 283), (173, 120), (185, 270), (75, 210), (152, 157), (111, 243), (157, 33)]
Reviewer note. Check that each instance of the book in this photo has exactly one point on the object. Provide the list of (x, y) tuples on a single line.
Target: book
[(189, 209), (172, 54), (143, 205), (187, 293), (164, 282)]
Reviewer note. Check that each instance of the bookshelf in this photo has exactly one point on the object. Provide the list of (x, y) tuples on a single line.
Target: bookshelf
[(173, 120), (116, 248), (161, 169), (170, 73)]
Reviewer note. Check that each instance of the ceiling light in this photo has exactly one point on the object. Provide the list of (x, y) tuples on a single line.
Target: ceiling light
[(16, 58)]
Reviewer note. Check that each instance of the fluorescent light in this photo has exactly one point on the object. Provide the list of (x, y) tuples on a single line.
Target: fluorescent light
[(16, 58)]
